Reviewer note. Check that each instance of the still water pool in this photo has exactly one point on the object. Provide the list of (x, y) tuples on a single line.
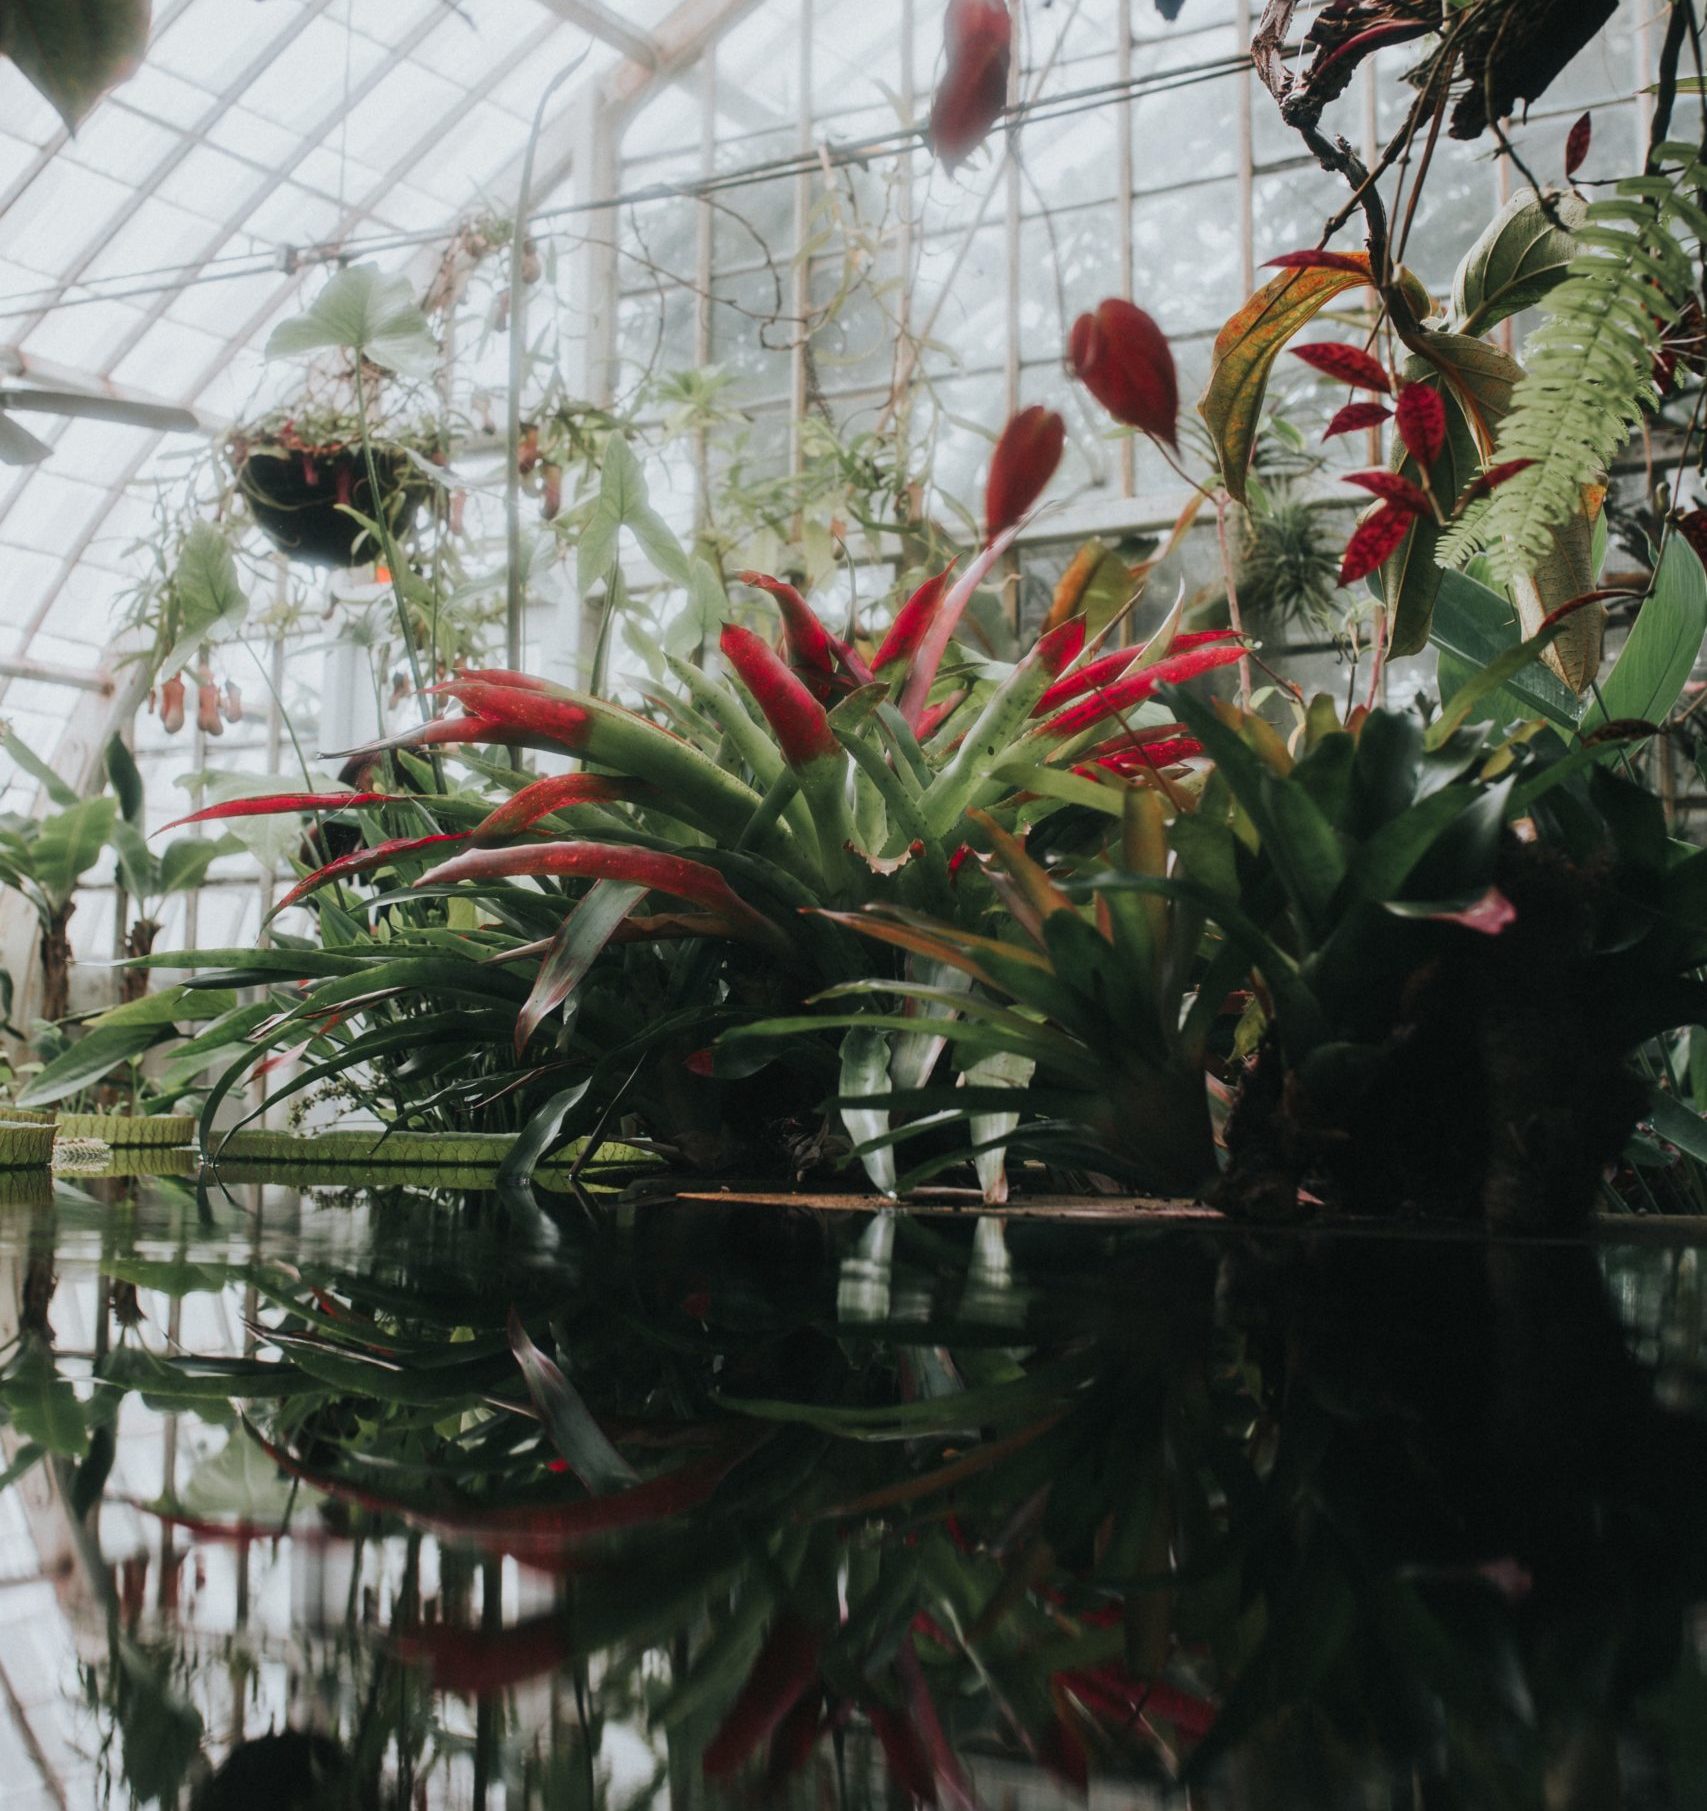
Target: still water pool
[(403, 1496)]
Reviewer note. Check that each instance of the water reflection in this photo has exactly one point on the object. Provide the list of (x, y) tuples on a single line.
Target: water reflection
[(392, 1497)]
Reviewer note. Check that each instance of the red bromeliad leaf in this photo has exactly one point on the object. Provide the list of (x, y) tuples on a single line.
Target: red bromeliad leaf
[(1422, 423), (1394, 488), (1059, 647), (1577, 142), (546, 721), (280, 804), (1135, 756), (944, 620), (1123, 358), (1133, 688), (785, 1670), (1491, 480), (977, 44), (363, 860), (471, 1661), (912, 620), (806, 642), (556, 792), (1356, 415), (1108, 667), (938, 714), (1347, 364), (1373, 541), (1025, 459), (1355, 262), (799, 721)]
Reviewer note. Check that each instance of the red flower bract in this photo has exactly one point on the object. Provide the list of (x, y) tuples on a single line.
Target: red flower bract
[(802, 729), (911, 621), (1123, 358), (1025, 460), (977, 44)]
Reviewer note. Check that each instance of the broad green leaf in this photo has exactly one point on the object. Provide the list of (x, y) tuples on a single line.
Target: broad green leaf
[(1504, 667), (95, 1055), (540, 1133), (68, 844), (73, 51), (39, 770), (1473, 625), (172, 1006), (1649, 675), (210, 602), (364, 312), (1517, 260), (138, 869), (623, 502), (185, 863), (44, 1406), (125, 778), (865, 1071)]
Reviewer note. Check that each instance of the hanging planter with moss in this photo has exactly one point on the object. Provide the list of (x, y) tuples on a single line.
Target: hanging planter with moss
[(303, 475), (159, 1131)]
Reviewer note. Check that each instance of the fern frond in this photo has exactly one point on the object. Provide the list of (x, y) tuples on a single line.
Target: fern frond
[(1591, 361)]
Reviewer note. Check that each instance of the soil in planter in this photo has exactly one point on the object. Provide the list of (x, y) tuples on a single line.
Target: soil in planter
[(300, 501)]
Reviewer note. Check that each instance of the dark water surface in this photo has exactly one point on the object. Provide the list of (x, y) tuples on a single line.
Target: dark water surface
[(395, 1496)]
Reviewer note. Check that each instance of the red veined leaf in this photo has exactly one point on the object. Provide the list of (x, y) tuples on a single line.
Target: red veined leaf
[(798, 720), (281, 804), (362, 860), (1141, 757), (944, 620), (556, 792), (1572, 605), (945, 1764), (1346, 364), (471, 1661), (649, 868), (912, 620), (903, 1751), (600, 1468), (1491, 480), (1577, 142), (1025, 459), (1421, 417), (785, 1670), (1355, 262), (1357, 415), (1110, 666), (1394, 488), (1133, 688), (1373, 541), (1123, 358), (977, 44)]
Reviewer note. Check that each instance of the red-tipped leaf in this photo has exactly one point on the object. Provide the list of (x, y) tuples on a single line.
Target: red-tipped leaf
[(556, 792), (364, 860), (281, 804), (1374, 541), (1025, 459), (469, 1662), (944, 620), (1133, 688), (785, 1670), (1109, 667), (799, 721), (1356, 415), (1346, 364), (807, 643), (912, 620), (1123, 358)]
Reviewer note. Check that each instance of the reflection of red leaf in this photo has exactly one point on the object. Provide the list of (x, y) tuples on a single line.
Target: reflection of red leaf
[(1346, 364), (1357, 415), (945, 1763), (785, 1670), (1491, 480), (977, 44), (1392, 488), (1577, 142), (1422, 423), (909, 1766), (1123, 358), (1356, 263), (471, 1661), (1373, 541), (1024, 461)]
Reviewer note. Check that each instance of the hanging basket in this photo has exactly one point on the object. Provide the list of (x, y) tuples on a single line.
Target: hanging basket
[(301, 498), (160, 1131)]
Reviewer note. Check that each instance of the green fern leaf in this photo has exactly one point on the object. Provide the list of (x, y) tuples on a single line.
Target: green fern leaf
[(1590, 362)]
